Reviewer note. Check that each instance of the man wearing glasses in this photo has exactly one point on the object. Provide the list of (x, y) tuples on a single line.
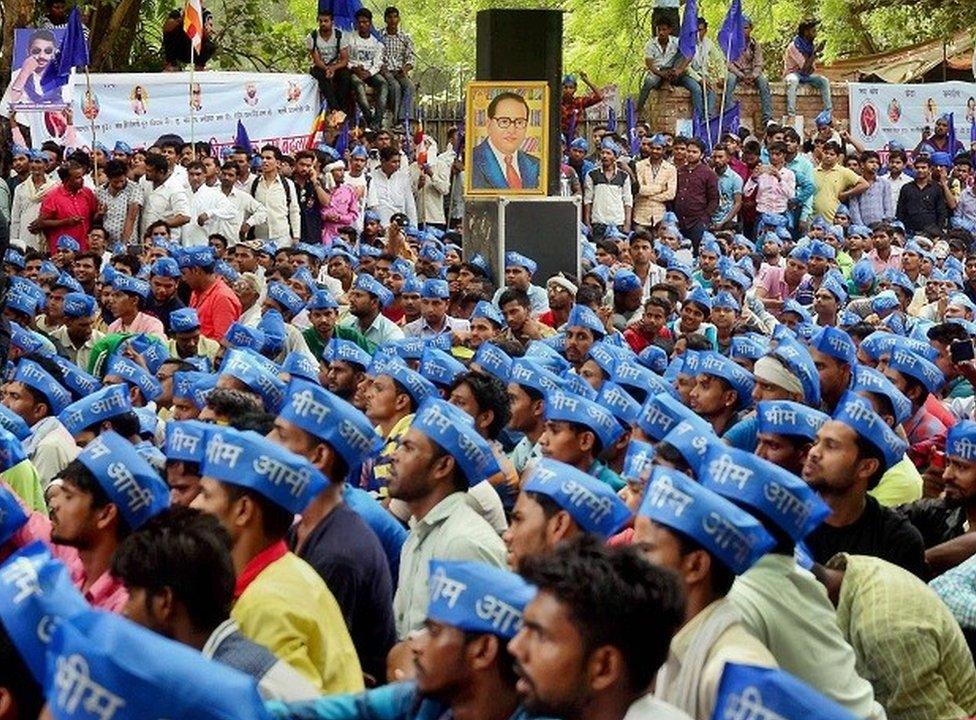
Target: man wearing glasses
[(498, 161)]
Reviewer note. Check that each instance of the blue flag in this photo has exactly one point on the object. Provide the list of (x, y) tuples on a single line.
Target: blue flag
[(731, 37), (611, 120), (972, 131), (632, 127), (72, 53), (688, 37), (951, 118), (241, 139), (459, 140), (729, 123), (342, 140)]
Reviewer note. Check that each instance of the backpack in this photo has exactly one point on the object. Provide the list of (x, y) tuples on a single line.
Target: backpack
[(314, 36), (286, 184)]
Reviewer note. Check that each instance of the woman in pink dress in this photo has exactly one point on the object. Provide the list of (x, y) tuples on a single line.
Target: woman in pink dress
[(343, 208)]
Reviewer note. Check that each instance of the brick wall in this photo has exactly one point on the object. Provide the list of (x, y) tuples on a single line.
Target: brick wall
[(665, 108)]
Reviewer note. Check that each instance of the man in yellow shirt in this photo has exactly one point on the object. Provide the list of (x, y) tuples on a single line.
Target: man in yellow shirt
[(255, 488), (835, 183)]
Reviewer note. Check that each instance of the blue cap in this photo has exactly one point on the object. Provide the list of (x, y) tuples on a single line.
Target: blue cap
[(239, 335), (751, 346), (747, 690), (610, 145), (200, 256), (34, 376), (272, 324), (247, 367), (183, 381), (439, 367), (801, 253), (300, 364), (64, 280), (165, 267), (867, 379), (476, 597), (514, 259), (660, 414), (15, 258), (78, 305), (13, 423), (725, 300), (918, 368), (186, 440), (322, 299), (287, 298), (328, 417), (691, 437), (857, 413), (835, 287), (135, 375), (369, 284), (429, 251), (898, 278), (493, 360), (252, 461), (785, 417), (824, 119), (885, 301), (346, 351), (619, 402), (66, 242), (122, 147), (738, 378), (485, 309), (634, 376), (22, 302), (726, 531), (771, 491), (414, 384), (654, 357), (435, 288), (877, 344), (453, 431), (582, 316), (74, 378), (36, 594), (792, 306), (138, 673), (701, 297), (128, 480), (109, 402), (184, 320), (836, 343), (639, 461), (626, 281), (129, 284), (548, 356), (579, 144), (573, 383), (961, 441), (566, 407), (820, 249), (591, 503), (304, 276), (797, 360), (680, 267)]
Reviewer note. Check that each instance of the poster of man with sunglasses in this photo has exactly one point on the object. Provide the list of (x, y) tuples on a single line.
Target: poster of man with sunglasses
[(34, 51), (507, 142)]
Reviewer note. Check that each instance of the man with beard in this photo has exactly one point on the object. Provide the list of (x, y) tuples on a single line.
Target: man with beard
[(657, 181), (582, 329), (459, 659), (345, 370), (323, 314), (367, 297), (596, 633)]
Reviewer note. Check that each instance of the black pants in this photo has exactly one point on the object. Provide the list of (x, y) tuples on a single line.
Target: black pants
[(336, 89)]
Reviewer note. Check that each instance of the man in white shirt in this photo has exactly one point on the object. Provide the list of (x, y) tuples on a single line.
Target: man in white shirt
[(389, 190), (666, 66), (207, 206), (165, 197), (433, 181), (248, 212), (366, 64), (897, 178), (278, 196)]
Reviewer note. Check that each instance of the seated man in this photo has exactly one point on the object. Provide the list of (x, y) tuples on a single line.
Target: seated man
[(665, 66), (748, 69), (799, 64)]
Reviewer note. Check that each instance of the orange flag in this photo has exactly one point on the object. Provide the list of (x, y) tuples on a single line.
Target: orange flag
[(193, 23)]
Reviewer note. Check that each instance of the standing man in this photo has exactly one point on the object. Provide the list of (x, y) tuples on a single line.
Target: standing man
[(67, 209), (248, 212), (748, 70), (329, 52), (874, 204), (608, 201), (366, 65), (799, 64), (165, 197), (921, 204), (120, 201), (208, 205), (278, 196), (835, 183), (726, 217), (217, 306), (389, 189), (398, 61), (657, 183), (571, 107), (696, 199)]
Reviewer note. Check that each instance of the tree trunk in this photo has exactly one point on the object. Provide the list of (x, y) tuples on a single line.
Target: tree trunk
[(115, 28)]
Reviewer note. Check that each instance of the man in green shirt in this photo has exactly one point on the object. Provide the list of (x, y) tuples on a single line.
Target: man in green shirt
[(323, 313)]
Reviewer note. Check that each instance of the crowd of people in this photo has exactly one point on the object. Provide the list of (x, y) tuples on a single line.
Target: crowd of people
[(276, 444)]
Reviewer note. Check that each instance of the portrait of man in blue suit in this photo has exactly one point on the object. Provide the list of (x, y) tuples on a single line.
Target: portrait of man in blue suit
[(498, 161)]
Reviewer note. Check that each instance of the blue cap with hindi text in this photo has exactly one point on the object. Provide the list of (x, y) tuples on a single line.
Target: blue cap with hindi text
[(961, 441), (186, 440), (738, 378), (660, 413), (74, 378), (591, 503), (638, 461), (477, 597), (485, 309), (726, 531), (34, 376), (759, 692), (566, 407), (128, 480), (109, 402), (785, 417), (867, 379), (369, 284), (493, 360), (857, 413), (346, 351), (691, 437), (582, 316), (136, 375), (300, 364), (184, 320), (453, 431), (765, 488), (439, 367)]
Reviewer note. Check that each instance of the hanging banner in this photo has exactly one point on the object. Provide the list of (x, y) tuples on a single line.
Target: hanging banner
[(34, 50), (138, 108), (881, 113)]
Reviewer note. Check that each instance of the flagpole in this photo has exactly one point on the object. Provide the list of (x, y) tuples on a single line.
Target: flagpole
[(90, 103), (193, 63), (721, 111), (704, 76)]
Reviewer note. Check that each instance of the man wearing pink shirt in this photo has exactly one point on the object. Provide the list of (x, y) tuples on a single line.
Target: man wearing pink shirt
[(343, 208), (799, 64), (884, 255), (775, 183), (129, 296)]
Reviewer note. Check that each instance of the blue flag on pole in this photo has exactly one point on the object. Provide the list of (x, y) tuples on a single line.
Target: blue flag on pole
[(72, 53), (342, 140), (688, 37), (611, 120), (731, 37), (972, 131), (241, 139), (951, 118), (709, 132), (632, 127)]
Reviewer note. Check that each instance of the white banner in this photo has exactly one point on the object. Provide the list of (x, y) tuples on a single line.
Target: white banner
[(881, 112), (137, 108)]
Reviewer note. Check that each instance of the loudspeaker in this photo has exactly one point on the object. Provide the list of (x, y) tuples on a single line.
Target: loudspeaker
[(544, 229), (525, 45)]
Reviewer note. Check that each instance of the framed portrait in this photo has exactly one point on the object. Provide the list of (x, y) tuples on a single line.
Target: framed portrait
[(507, 140)]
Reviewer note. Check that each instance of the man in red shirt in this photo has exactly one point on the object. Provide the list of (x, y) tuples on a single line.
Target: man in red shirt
[(216, 304), (572, 106), (68, 209)]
